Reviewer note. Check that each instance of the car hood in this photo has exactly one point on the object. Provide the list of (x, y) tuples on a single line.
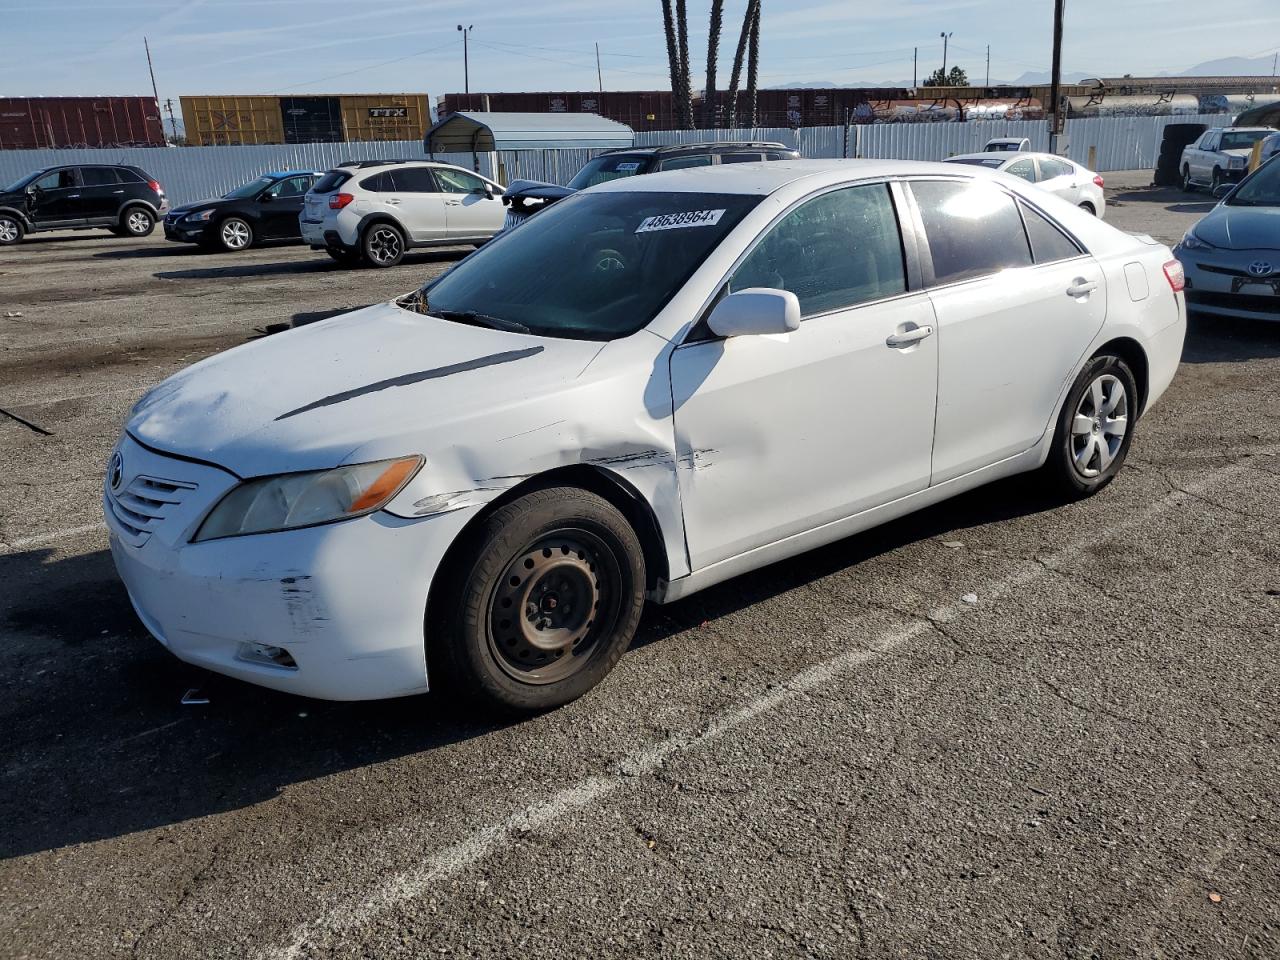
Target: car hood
[(351, 388), (199, 205), (1241, 228)]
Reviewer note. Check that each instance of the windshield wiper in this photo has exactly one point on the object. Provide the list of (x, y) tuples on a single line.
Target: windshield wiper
[(480, 320)]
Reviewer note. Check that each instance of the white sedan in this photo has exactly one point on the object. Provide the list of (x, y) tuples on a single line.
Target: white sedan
[(657, 384), (1062, 177)]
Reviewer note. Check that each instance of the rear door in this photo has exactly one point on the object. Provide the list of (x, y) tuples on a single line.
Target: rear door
[(279, 215), (101, 193), (472, 208), (1059, 178), (419, 203), (1011, 328)]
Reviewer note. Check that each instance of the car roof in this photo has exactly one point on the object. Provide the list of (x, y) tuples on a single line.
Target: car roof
[(767, 177), (715, 146), (281, 174), (1005, 155), (1244, 129)]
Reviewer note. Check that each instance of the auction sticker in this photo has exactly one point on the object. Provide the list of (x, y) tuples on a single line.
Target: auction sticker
[(675, 221)]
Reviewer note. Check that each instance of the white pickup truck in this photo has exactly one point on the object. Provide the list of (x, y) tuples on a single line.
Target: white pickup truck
[(1221, 155)]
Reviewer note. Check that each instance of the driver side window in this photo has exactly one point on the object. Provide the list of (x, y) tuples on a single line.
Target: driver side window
[(456, 181), (835, 251), (59, 179)]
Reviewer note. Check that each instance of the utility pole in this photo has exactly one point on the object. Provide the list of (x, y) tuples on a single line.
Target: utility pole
[(1057, 142), (154, 92), (466, 67), (915, 67), (946, 37), (599, 75), (988, 82), (168, 105)]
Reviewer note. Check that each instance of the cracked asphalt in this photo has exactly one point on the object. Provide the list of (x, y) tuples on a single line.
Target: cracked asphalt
[(1002, 727)]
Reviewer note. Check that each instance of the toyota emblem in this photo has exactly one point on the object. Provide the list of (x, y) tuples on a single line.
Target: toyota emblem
[(115, 474), (1260, 268)]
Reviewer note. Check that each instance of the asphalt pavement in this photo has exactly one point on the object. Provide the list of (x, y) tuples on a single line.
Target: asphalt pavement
[(1002, 727)]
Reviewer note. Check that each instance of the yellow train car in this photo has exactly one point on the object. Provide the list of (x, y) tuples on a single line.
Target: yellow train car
[(314, 118), (222, 121)]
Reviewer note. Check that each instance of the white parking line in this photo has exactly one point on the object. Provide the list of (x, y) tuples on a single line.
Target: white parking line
[(13, 546), (411, 884)]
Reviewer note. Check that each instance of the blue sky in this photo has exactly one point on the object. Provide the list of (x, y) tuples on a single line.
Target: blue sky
[(88, 47)]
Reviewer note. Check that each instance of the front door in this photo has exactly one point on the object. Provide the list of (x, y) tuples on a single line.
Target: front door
[(777, 435), (472, 208), (55, 199), (1012, 327)]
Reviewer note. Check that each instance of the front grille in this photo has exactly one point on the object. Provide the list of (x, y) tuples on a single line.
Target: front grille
[(1234, 301), (1234, 272), (143, 505)]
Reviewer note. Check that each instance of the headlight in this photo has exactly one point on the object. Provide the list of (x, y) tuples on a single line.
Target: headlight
[(1237, 161), (293, 500), (200, 216), (1192, 242)]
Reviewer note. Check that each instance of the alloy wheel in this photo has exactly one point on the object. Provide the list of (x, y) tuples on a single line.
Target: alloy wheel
[(1099, 426), (138, 222), (235, 234), (553, 604), (8, 230), (384, 245)]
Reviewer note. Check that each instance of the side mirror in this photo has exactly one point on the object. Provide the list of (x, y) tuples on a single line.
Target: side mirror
[(1223, 189), (266, 198), (755, 311)]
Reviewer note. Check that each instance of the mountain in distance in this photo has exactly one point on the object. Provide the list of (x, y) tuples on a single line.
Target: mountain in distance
[(1231, 67)]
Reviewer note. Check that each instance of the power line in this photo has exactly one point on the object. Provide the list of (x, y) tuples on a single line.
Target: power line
[(372, 66)]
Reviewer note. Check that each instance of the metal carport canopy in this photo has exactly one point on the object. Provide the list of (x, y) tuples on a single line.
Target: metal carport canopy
[(484, 132)]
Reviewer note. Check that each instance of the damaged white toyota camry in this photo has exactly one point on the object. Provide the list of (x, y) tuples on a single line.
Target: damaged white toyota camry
[(656, 384)]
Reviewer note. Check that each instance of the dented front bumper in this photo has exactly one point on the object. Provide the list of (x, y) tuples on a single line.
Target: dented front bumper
[(346, 600)]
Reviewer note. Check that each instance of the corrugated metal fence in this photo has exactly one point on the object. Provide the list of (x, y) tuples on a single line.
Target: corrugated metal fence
[(192, 173)]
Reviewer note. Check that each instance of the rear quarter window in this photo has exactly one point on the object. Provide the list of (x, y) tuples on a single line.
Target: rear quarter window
[(331, 181)]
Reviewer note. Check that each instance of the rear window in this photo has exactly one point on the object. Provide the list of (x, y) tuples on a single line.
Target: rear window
[(609, 167), (973, 230), (331, 181), (992, 162)]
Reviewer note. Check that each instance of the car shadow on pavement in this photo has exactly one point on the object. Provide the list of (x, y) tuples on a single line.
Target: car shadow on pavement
[(100, 746), (319, 264), (1212, 339)]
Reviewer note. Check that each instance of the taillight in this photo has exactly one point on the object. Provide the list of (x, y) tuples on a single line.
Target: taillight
[(340, 200), (1174, 274), (1098, 181), (155, 186)]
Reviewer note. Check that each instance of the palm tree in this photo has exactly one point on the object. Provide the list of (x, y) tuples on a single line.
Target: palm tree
[(753, 64), (673, 57), (685, 94), (736, 75), (710, 115)]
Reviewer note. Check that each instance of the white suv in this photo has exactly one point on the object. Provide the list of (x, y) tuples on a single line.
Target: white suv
[(372, 211)]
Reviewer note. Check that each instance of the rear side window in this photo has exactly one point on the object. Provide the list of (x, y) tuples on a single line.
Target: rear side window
[(1050, 168), (1048, 243), (98, 176), (1026, 169), (379, 183), (973, 230), (131, 176), (680, 163), (834, 251), (331, 181), (416, 180)]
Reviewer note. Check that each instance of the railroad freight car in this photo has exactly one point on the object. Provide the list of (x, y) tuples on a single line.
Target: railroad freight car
[(638, 109), (1134, 105), (314, 118), (39, 123)]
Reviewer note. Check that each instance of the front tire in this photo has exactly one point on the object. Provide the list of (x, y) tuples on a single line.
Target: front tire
[(382, 245), (137, 222), (234, 234), (1216, 181), (11, 230), (1095, 428), (541, 604)]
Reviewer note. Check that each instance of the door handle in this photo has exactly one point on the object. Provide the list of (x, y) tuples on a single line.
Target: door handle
[(1082, 288), (73, 196), (907, 338), (393, 202), (117, 191), (453, 203)]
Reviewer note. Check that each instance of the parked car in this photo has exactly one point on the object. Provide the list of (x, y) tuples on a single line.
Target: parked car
[(125, 200), (1062, 177), (658, 384), (1221, 155), (1008, 145), (1232, 256), (1270, 147), (372, 211), (524, 198), (263, 209)]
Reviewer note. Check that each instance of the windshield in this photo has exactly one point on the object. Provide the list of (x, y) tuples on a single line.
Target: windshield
[(19, 184), (609, 167), (1242, 140), (995, 146), (249, 189), (592, 267), (1260, 190), (978, 161)]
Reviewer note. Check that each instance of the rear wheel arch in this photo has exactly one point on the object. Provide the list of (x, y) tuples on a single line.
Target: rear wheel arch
[(1131, 352)]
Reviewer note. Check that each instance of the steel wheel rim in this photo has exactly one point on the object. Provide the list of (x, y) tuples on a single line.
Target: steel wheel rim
[(235, 234), (1100, 425), (137, 222), (384, 245), (8, 231), (553, 607)]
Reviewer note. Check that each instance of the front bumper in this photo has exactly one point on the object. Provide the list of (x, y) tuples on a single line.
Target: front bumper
[(178, 231), (346, 600), (1219, 282)]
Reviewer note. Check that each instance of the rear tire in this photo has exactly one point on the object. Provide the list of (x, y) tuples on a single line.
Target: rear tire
[(137, 222), (11, 230), (540, 603), (1095, 428), (1187, 185), (382, 245)]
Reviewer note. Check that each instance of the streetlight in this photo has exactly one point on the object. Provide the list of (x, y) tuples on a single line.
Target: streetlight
[(466, 71), (945, 38)]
